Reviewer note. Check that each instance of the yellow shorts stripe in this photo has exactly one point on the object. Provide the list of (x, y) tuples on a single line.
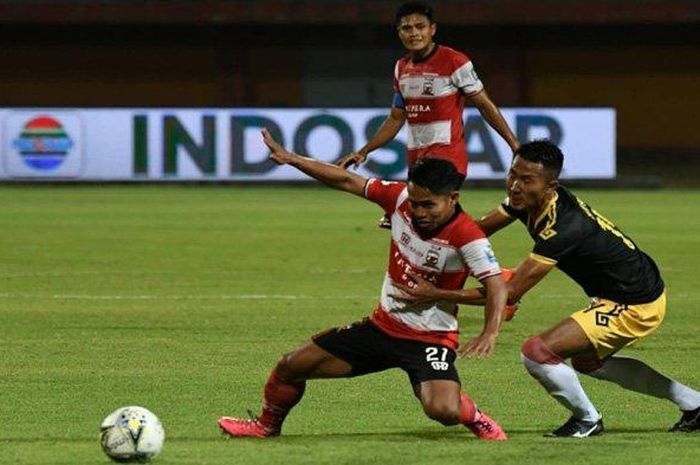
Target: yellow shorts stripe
[(611, 326)]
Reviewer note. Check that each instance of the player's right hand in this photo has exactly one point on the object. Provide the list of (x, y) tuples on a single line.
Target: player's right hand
[(352, 158), (480, 346)]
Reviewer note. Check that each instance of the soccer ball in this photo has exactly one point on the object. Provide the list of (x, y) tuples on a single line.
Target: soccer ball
[(131, 434)]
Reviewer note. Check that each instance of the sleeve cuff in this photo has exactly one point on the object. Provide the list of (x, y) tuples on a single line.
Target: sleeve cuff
[(542, 259), (503, 211)]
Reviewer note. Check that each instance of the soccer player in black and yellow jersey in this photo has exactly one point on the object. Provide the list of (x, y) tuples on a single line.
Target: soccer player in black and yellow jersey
[(628, 300)]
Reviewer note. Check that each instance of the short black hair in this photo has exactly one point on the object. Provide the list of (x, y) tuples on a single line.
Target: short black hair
[(545, 152), (437, 175), (410, 8)]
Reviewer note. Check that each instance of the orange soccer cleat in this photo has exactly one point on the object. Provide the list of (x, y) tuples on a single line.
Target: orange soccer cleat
[(485, 427), (245, 428)]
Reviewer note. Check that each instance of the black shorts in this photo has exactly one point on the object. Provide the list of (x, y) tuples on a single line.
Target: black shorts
[(368, 349)]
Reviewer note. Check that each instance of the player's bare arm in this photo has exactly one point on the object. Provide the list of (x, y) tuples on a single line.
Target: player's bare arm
[(421, 291), (490, 112), (386, 132), (496, 296), (494, 221), (331, 175), (526, 276)]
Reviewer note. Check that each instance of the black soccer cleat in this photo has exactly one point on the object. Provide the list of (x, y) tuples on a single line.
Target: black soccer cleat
[(575, 428), (690, 421)]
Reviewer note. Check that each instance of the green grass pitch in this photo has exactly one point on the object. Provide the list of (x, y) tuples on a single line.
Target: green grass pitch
[(181, 299)]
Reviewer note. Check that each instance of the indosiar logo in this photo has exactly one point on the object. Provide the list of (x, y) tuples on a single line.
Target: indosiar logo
[(43, 143)]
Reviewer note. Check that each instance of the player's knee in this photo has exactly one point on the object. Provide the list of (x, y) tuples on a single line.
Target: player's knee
[(284, 366), (535, 350), (442, 411), (586, 364), (289, 368)]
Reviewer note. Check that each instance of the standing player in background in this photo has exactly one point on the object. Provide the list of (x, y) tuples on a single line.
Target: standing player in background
[(628, 298), (432, 237), (431, 84)]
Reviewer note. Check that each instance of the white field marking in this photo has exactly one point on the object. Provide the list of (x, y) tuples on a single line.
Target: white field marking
[(38, 274)]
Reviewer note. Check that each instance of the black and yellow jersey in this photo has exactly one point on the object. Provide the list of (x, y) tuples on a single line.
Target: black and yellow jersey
[(591, 250)]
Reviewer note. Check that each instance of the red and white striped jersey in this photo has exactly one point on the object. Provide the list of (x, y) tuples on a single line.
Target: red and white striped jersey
[(445, 259), (432, 92)]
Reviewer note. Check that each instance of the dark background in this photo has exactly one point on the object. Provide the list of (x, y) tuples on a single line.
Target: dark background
[(641, 57)]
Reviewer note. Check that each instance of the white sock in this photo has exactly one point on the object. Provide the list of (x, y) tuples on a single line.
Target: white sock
[(639, 377), (561, 382)]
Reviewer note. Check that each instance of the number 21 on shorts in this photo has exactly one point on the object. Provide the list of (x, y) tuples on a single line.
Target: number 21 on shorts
[(437, 362)]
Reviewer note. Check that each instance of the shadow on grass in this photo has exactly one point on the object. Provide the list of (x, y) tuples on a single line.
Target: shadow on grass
[(447, 434)]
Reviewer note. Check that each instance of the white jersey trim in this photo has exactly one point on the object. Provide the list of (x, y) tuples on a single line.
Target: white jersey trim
[(480, 258), (427, 87), (467, 80), (424, 135)]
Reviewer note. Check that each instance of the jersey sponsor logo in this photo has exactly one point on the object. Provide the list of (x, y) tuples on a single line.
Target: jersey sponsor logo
[(417, 108), (407, 267), (405, 238)]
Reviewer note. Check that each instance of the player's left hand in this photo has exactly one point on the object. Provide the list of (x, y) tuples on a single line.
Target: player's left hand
[(420, 290), (277, 153), (480, 346)]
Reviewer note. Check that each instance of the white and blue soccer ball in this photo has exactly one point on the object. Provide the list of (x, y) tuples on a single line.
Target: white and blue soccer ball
[(131, 434)]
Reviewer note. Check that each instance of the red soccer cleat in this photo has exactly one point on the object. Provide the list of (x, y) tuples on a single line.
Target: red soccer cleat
[(485, 427), (245, 428)]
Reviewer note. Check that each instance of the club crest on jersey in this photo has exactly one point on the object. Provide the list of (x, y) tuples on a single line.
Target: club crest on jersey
[(432, 258), (428, 86), (405, 238)]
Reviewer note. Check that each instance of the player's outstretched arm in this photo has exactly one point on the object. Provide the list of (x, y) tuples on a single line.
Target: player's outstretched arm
[(386, 132), (331, 175)]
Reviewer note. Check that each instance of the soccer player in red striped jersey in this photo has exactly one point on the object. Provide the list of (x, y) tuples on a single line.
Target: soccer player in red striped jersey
[(431, 238), (431, 84)]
